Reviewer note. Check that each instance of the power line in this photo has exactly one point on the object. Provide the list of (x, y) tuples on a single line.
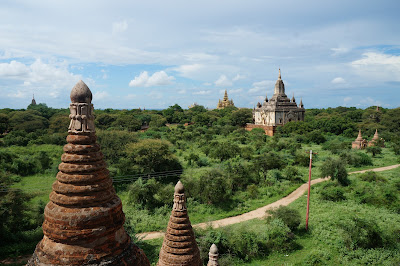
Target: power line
[(116, 179)]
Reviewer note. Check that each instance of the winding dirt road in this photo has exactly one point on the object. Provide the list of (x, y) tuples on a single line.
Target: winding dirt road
[(260, 212)]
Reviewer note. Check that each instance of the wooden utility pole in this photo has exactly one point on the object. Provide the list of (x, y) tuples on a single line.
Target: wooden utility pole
[(309, 188)]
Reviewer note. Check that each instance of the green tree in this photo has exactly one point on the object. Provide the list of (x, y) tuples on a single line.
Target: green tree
[(214, 187), (104, 120), (127, 122), (374, 150), (157, 121), (59, 123), (4, 123), (150, 155), (335, 169), (174, 114), (28, 121), (224, 150), (241, 117)]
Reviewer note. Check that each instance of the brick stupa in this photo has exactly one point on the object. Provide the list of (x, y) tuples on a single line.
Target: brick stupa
[(213, 256), (84, 221), (179, 246)]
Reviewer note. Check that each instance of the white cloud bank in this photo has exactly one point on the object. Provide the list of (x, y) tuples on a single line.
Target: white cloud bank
[(157, 79), (223, 81), (119, 27), (338, 80)]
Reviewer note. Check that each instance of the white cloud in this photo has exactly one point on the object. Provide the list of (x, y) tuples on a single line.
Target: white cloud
[(54, 76), (119, 27), (347, 99), (13, 69), (203, 92), (182, 91), (378, 67), (261, 86), (19, 94), (157, 79), (223, 81), (338, 80), (368, 101), (189, 71), (339, 50), (238, 77), (235, 91), (100, 95)]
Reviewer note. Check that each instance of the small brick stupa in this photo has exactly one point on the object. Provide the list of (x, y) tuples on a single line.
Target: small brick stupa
[(83, 222), (179, 246), (375, 140), (213, 256), (359, 142)]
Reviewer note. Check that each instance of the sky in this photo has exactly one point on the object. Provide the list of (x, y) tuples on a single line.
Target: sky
[(154, 54)]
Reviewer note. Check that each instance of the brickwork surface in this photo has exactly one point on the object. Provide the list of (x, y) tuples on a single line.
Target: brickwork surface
[(84, 221)]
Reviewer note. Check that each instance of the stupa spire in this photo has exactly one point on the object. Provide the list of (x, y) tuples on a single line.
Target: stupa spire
[(376, 136), (293, 99), (226, 95), (213, 256), (179, 246), (83, 222), (279, 86), (33, 99), (266, 97), (301, 105), (359, 137)]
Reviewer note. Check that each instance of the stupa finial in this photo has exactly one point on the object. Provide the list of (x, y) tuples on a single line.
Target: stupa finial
[(81, 108), (213, 256), (279, 77)]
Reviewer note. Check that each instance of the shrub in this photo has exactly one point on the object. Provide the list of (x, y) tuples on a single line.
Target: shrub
[(374, 150), (224, 150), (290, 217), (215, 187), (335, 168), (302, 159), (336, 146), (292, 173), (371, 176), (279, 236), (316, 136), (332, 193), (356, 159), (360, 233)]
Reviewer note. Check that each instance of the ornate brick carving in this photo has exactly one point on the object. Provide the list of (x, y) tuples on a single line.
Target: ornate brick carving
[(179, 246), (84, 219)]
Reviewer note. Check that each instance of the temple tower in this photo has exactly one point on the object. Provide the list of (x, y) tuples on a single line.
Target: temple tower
[(213, 256), (225, 101), (83, 222), (33, 100), (179, 246), (277, 111)]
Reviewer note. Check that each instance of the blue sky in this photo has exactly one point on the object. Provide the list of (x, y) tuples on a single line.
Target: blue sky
[(154, 54)]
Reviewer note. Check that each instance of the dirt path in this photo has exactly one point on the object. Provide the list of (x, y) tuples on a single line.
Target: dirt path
[(260, 212)]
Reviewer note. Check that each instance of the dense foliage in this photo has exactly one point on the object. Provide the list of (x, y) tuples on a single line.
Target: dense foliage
[(226, 170)]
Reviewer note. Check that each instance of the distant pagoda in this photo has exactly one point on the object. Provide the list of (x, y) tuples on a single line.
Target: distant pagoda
[(179, 246), (33, 100), (225, 102), (359, 143), (83, 222)]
